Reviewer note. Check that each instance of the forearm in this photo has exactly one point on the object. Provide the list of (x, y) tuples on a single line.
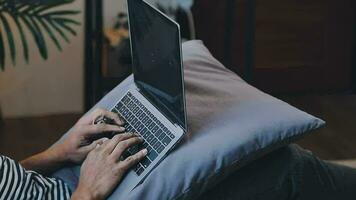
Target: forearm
[(84, 194), (46, 162)]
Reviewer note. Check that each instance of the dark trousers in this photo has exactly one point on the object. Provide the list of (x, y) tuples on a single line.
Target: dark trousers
[(290, 173)]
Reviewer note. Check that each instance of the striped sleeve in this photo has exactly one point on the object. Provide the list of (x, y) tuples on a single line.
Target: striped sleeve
[(17, 183)]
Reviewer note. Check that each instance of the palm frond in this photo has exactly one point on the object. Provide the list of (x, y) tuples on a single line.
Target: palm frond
[(10, 36), (41, 19)]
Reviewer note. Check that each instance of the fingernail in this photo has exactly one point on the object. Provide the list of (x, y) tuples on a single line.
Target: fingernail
[(144, 151)]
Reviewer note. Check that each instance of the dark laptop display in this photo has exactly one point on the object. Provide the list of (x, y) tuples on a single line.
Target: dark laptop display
[(156, 52)]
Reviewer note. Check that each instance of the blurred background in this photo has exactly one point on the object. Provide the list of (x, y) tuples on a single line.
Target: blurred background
[(57, 65)]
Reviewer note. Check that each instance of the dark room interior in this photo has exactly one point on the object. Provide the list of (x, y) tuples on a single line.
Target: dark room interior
[(301, 52)]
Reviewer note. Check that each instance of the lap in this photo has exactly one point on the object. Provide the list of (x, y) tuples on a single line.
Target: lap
[(288, 173)]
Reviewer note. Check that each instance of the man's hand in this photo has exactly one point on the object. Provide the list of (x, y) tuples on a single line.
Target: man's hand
[(103, 170), (79, 142), (76, 146)]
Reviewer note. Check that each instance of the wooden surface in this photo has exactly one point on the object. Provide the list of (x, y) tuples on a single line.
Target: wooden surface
[(300, 46), (304, 46), (20, 138)]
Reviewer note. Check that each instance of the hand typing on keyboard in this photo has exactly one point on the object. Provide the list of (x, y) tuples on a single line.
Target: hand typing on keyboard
[(105, 117), (102, 170), (87, 133), (140, 120)]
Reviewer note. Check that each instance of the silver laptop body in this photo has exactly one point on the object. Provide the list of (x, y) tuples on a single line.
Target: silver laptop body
[(154, 105)]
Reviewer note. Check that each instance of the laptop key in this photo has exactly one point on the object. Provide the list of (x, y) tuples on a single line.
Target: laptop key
[(134, 120), (136, 167), (119, 105), (130, 104), (158, 133), (150, 138), (140, 128), (131, 118), (145, 110), (144, 130), (145, 162), (135, 110), (166, 140), (135, 100), (145, 119), (129, 114), (149, 148), (141, 115), (148, 123), (160, 148), (145, 134), (155, 146), (170, 134), (155, 129), (162, 136), (140, 105), (152, 155), (125, 100), (145, 144), (135, 149), (151, 126), (154, 141), (140, 170), (125, 112)]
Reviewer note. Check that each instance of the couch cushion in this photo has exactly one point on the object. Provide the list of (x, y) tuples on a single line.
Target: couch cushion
[(230, 124)]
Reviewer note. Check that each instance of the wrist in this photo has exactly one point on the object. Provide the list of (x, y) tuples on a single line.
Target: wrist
[(58, 154), (83, 193)]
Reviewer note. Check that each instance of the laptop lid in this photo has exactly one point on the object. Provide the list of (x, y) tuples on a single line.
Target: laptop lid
[(157, 59)]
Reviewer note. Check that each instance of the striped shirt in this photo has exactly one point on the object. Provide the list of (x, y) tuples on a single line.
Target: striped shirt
[(17, 183)]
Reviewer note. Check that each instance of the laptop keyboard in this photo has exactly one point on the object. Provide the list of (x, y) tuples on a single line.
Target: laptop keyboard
[(140, 120)]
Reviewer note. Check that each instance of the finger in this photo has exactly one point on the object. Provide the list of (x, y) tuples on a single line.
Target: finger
[(134, 159), (110, 146), (124, 145), (95, 144), (102, 128), (89, 117), (114, 117), (110, 115)]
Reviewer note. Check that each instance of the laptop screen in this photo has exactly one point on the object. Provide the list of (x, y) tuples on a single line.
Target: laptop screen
[(156, 58)]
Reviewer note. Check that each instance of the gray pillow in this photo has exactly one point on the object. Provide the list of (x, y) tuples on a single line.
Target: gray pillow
[(230, 125)]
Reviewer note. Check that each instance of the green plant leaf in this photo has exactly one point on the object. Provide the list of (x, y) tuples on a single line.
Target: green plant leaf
[(51, 34), (10, 37), (65, 20), (41, 18), (23, 39), (62, 12), (59, 30), (65, 26), (45, 8), (2, 51), (37, 36)]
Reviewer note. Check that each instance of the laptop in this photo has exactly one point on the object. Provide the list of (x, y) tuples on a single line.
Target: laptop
[(154, 105)]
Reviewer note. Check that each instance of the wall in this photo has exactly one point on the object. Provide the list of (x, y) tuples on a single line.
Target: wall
[(298, 47), (45, 87), (111, 9)]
